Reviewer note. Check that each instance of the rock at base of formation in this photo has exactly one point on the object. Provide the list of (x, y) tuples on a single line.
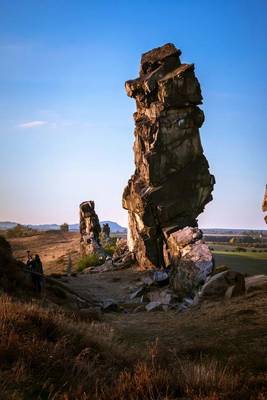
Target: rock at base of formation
[(226, 284), (256, 283), (264, 204), (89, 228), (191, 260), (171, 184), (122, 257)]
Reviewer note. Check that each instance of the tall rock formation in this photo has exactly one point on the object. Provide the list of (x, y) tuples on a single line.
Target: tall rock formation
[(264, 204), (171, 184), (89, 228)]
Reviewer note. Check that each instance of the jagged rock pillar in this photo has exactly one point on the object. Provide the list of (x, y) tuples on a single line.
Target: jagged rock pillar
[(171, 184), (89, 228)]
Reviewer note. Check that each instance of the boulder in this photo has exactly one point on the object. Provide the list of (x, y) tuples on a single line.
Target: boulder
[(191, 259), (138, 292), (148, 281), (110, 305), (153, 306), (107, 266), (180, 239), (226, 284), (162, 296), (161, 278), (256, 282)]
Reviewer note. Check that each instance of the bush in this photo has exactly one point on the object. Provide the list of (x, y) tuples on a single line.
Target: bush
[(109, 249), (21, 231), (90, 260)]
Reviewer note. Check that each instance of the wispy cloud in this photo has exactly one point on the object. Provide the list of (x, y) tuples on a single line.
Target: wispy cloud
[(67, 124), (32, 124)]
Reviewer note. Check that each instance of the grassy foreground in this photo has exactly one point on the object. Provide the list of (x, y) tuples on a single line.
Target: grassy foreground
[(47, 354)]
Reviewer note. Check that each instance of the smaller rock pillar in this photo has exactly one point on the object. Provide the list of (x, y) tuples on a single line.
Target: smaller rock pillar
[(89, 228)]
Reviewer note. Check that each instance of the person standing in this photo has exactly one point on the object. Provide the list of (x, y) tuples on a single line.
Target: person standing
[(37, 273)]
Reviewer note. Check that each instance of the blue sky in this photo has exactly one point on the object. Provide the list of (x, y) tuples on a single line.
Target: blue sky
[(66, 127)]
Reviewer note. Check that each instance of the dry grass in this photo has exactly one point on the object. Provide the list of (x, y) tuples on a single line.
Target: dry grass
[(46, 354), (53, 248), (216, 352)]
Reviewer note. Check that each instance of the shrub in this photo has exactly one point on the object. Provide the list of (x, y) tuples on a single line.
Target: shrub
[(21, 231), (109, 249), (90, 260)]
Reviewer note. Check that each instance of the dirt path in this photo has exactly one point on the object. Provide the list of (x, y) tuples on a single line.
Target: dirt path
[(115, 285)]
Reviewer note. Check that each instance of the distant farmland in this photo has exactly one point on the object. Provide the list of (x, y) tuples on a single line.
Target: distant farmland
[(245, 262)]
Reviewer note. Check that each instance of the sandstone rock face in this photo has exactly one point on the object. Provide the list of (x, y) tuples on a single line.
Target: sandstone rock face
[(171, 184), (89, 228), (264, 204)]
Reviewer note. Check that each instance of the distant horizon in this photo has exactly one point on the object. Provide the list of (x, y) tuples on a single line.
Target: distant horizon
[(125, 226)]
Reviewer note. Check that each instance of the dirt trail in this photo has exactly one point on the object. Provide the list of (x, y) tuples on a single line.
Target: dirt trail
[(115, 285)]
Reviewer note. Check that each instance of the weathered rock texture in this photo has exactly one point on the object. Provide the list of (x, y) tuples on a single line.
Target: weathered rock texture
[(105, 232), (191, 259), (171, 184), (264, 204), (89, 228), (122, 257), (226, 284)]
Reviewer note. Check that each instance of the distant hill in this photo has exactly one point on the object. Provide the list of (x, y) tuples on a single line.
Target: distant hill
[(114, 227), (7, 225)]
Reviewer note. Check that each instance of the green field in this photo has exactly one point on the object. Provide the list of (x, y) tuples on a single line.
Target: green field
[(245, 262)]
